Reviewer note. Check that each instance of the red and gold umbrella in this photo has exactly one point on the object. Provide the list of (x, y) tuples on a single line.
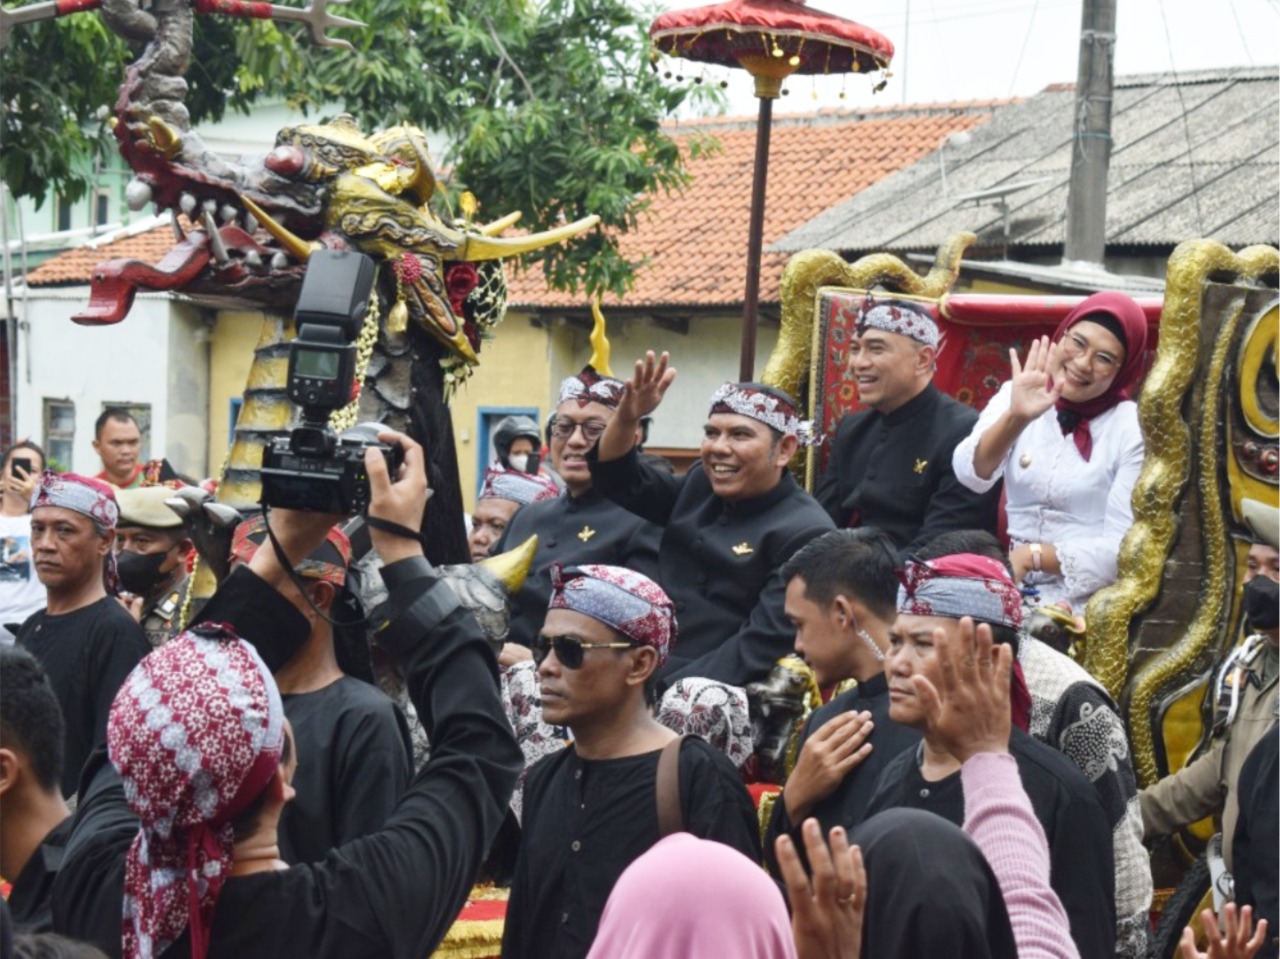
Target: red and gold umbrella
[(771, 40)]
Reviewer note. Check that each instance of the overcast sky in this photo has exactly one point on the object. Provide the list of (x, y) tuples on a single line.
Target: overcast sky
[(981, 49)]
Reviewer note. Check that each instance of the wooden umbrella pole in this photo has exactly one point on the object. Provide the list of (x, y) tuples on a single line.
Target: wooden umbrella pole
[(755, 242)]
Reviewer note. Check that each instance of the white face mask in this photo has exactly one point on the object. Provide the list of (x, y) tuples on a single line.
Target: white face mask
[(519, 462)]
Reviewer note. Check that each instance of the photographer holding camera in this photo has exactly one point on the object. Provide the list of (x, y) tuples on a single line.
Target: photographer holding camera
[(192, 855)]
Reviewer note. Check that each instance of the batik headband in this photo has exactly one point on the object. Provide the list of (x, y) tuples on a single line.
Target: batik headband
[(522, 488), (622, 599), (81, 494), (196, 733), (327, 562), (590, 387), (765, 404), (964, 584), (901, 317)]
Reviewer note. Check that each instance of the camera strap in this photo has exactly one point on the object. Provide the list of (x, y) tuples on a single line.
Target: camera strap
[(294, 578), (395, 529)]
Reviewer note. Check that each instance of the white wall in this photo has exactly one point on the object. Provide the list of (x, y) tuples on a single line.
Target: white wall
[(127, 362), (705, 358)]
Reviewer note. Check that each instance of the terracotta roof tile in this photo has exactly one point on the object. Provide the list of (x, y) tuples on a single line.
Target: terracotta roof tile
[(75, 267), (695, 242)]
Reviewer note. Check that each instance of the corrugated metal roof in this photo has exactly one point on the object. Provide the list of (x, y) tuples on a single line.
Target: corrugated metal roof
[(1191, 157)]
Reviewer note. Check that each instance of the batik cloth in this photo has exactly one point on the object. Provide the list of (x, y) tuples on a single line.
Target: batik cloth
[(81, 494), (965, 584), (622, 599), (901, 317), (519, 487), (196, 734), (716, 712), (327, 562), (765, 404), (590, 387)]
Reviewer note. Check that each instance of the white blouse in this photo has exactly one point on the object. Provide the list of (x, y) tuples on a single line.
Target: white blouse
[(1054, 496)]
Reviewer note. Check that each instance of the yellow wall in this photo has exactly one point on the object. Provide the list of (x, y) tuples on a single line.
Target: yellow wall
[(515, 370), (231, 344)]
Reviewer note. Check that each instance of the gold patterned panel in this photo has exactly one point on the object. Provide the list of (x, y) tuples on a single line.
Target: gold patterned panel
[(1157, 496)]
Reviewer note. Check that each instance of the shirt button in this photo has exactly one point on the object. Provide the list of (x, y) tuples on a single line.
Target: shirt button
[(564, 918), (577, 774), (924, 794), (575, 845)]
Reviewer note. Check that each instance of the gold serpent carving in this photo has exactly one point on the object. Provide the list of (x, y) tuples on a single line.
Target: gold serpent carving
[(1157, 494), (792, 362)]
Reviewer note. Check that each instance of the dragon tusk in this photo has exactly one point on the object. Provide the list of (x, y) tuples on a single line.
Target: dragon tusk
[(163, 138), (218, 248), (513, 566), (497, 226), (473, 248), (299, 247)]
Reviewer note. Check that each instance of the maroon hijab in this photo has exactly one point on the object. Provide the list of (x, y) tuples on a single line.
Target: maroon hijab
[(1123, 312)]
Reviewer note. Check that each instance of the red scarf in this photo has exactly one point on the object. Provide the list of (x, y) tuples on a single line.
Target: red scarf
[(1074, 417)]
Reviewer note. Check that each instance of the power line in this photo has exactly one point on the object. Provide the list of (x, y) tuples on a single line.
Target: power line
[(1186, 124), (1235, 14), (1026, 40)]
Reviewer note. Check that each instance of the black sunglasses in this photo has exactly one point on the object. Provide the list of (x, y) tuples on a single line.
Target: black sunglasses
[(569, 649)]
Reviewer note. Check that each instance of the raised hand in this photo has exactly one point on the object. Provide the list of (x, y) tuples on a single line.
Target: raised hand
[(828, 755), (1239, 940), (644, 391), (827, 915), (400, 500), (970, 713), (1034, 382)]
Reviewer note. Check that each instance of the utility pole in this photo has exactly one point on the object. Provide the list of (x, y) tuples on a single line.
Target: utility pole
[(1086, 239)]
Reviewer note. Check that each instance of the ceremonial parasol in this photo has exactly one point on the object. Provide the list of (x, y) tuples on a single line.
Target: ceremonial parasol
[(771, 40)]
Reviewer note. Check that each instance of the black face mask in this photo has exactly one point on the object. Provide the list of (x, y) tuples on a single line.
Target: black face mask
[(1262, 603), (139, 572)]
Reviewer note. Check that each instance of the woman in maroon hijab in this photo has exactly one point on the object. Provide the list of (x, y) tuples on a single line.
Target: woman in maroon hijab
[(1063, 434)]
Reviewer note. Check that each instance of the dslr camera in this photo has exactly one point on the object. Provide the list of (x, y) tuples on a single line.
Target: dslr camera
[(314, 468)]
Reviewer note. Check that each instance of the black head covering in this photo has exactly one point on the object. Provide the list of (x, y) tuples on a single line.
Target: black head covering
[(930, 891)]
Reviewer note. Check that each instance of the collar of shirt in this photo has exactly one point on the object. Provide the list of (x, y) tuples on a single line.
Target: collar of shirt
[(758, 504), (918, 404)]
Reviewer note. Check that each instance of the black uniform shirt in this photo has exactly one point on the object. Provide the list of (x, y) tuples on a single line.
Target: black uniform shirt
[(358, 761), (720, 563), (1081, 855), (847, 804), (585, 821), (29, 899), (573, 530), (87, 654), (893, 471)]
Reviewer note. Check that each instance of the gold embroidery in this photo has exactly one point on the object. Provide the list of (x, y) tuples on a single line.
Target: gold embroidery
[(920, 465), (586, 534), (742, 549)]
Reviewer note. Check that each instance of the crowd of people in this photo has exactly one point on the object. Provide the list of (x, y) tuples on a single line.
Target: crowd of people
[(324, 757)]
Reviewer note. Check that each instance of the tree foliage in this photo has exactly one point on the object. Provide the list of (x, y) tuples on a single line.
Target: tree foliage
[(549, 106)]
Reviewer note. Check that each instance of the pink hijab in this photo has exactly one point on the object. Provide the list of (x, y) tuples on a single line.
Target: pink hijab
[(689, 898)]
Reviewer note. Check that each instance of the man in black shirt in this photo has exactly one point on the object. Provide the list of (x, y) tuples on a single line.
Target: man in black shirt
[(890, 464), (36, 819), (728, 524), (356, 740), (841, 591), (582, 526), (85, 641), (594, 807), (394, 893), (937, 600)]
